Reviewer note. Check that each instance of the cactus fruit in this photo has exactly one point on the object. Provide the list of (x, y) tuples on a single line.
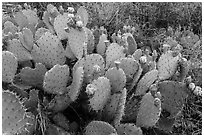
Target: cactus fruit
[(48, 51), (101, 46), (130, 67), (101, 94), (146, 81), (167, 65), (149, 111), (197, 91), (26, 38), (14, 118), (9, 66), (74, 89), (83, 14), (18, 50), (39, 33), (131, 44), (99, 128), (55, 80), (117, 78), (113, 52), (173, 96), (114, 109), (33, 77), (77, 40), (128, 129)]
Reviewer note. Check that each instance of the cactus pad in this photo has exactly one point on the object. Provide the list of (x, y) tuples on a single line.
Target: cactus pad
[(83, 14), (99, 128), (117, 78), (149, 112), (167, 65), (40, 32), (9, 66), (113, 52), (101, 47), (128, 129), (146, 81), (173, 96), (55, 80), (14, 118), (90, 43), (33, 77), (26, 38), (102, 93), (132, 45)]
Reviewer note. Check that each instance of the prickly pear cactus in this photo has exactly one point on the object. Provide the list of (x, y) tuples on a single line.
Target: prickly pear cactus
[(46, 19), (131, 44), (184, 68), (9, 66), (18, 50), (83, 14), (26, 38), (137, 54), (90, 43), (101, 93), (117, 78), (101, 47), (167, 65), (48, 51), (60, 23), (149, 111), (146, 81), (20, 19), (173, 96), (113, 52), (128, 129), (33, 77), (77, 40), (61, 120), (130, 67), (15, 120), (55, 80), (9, 27), (114, 109), (74, 89), (31, 16), (39, 33), (99, 128)]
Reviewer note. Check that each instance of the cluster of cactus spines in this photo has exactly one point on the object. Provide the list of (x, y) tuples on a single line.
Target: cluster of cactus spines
[(33, 77), (27, 39), (149, 111), (117, 78), (114, 109), (100, 128), (167, 65), (130, 67), (18, 50), (48, 51), (74, 89), (15, 119), (101, 93), (55, 80), (101, 46), (146, 81), (9, 66), (77, 40), (173, 95), (113, 52), (128, 129), (131, 44)]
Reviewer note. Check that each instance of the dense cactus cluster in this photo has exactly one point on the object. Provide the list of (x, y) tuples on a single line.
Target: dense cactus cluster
[(60, 77)]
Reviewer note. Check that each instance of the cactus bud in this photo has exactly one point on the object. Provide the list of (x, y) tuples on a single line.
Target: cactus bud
[(198, 91), (143, 59), (117, 63), (79, 24), (70, 9), (191, 86)]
